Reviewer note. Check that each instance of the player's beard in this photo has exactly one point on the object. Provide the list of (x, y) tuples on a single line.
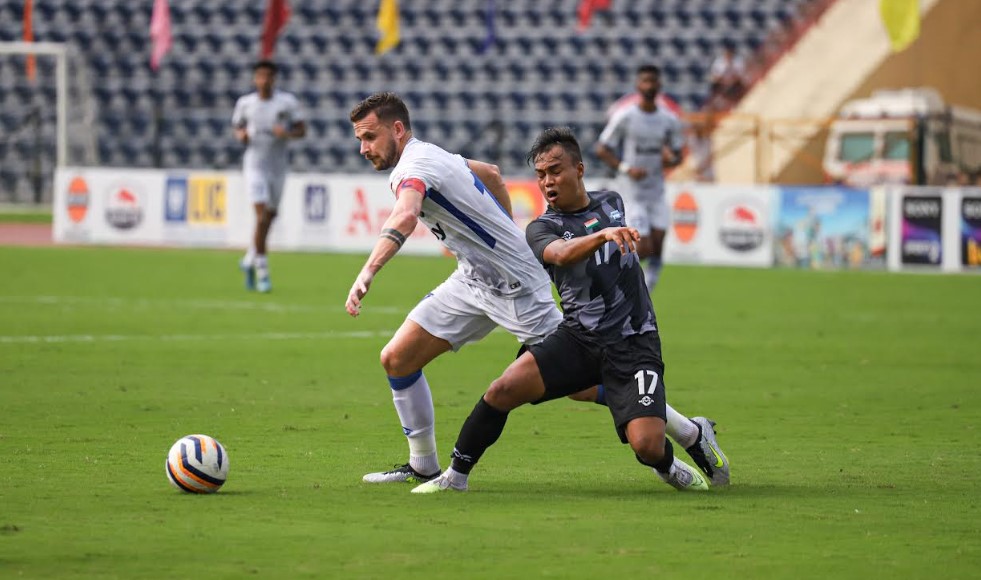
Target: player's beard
[(388, 160)]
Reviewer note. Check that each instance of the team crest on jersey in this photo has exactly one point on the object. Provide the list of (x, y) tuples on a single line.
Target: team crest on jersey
[(568, 236)]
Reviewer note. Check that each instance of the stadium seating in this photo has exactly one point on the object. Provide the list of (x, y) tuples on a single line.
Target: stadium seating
[(480, 98)]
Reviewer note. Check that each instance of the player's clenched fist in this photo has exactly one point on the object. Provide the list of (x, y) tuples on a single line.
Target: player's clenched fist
[(625, 238), (358, 291)]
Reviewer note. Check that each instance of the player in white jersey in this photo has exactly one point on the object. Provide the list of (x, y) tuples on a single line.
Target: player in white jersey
[(265, 121), (650, 140), (497, 282)]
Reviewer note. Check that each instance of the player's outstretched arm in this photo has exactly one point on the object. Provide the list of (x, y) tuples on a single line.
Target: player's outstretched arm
[(490, 175), (563, 252), (397, 228)]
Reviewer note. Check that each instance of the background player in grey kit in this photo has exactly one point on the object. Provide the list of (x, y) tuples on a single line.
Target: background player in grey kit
[(608, 333), (650, 140), (265, 121)]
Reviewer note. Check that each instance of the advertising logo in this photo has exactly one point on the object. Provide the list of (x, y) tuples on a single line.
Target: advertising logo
[(316, 203), (971, 231), (684, 217), (527, 202), (124, 210), (78, 199), (741, 227), (175, 200), (207, 200), (921, 238)]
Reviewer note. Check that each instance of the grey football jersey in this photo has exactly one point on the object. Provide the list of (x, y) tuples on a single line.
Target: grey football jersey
[(604, 294), (641, 136)]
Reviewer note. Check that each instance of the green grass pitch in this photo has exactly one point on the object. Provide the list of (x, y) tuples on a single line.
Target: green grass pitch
[(849, 404)]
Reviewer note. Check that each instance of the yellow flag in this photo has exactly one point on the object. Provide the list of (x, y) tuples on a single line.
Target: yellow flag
[(902, 20), (388, 26)]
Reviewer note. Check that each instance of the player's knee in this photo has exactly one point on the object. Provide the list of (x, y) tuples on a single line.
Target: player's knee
[(507, 393), (648, 446), (395, 362)]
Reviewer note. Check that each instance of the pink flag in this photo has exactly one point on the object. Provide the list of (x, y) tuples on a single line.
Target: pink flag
[(277, 14), (160, 38), (586, 9)]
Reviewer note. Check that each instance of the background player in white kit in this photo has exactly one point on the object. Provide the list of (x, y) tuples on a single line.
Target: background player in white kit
[(265, 121), (650, 139), (498, 281)]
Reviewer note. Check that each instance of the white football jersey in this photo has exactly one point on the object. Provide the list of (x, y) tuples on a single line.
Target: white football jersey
[(641, 136), (464, 215), (265, 152)]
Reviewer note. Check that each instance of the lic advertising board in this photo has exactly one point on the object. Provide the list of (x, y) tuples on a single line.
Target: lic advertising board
[(195, 207)]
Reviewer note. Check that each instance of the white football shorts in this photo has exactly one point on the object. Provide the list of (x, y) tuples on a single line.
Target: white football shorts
[(265, 187), (460, 313), (647, 213)]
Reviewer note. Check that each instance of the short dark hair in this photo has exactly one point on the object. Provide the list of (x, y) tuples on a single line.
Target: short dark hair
[(266, 64), (649, 68), (388, 106), (561, 136)]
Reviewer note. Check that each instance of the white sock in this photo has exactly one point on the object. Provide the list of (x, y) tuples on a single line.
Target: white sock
[(261, 265), (680, 428), (455, 476), (414, 404), (249, 258)]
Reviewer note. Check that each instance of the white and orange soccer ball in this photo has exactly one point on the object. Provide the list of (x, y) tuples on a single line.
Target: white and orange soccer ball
[(197, 464)]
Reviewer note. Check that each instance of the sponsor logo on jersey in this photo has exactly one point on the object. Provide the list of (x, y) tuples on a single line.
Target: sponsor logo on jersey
[(684, 217), (316, 203), (78, 199), (568, 236), (175, 199), (616, 217), (741, 227), (124, 209)]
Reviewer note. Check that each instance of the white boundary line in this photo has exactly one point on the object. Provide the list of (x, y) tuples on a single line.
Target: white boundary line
[(191, 303), (92, 338)]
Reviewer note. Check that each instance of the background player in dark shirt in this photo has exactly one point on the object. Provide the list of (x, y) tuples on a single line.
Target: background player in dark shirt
[(608, 334)]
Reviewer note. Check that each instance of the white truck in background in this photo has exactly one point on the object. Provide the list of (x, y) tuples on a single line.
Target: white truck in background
[(906, 136)]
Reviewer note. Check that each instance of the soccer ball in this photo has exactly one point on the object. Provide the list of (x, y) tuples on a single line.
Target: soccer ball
[(197, 464)]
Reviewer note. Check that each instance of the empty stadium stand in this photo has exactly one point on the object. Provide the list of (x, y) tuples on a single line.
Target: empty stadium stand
[(485, 100)]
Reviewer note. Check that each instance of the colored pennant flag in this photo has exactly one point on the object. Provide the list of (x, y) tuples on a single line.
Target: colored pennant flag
[(277, 14), (489, 13), (388, 26), (160, 36), (586, 9), (31, 64), (591, 223), (902, 21)]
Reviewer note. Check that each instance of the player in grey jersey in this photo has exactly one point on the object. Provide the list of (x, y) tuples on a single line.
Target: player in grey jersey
[(608, 334), (650, 140)]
